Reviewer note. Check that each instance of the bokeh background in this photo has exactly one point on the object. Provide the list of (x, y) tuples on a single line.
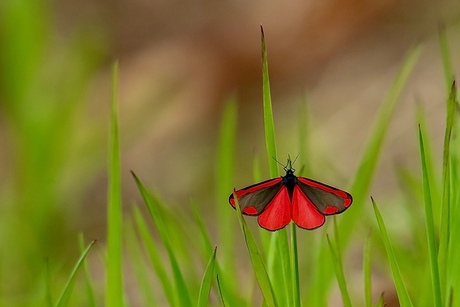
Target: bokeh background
[(179, 62)]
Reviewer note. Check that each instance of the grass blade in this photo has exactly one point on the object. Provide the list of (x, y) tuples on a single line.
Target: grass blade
[(430, 225), (153, 204), (367, 273), (224, 178), (445, 232), (89, 285), (446, 57), (155, 258), (65, 296), (401, 290), (362, 180), (206, 282), (114, 278), (219, 288), (138, 266), (278, 252), (257, 261), (269, 124), (338, 267), (295, 267)]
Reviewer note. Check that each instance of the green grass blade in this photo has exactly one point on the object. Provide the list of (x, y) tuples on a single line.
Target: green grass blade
[(153, 205), (155, 258), (224, 178), (269, 124), (295, 267), (362, 180), (88, 281), (206, 282), (381, 301), (367, 273), (280, 271), (446, 58), (114, 277), (430, 224), (257, 261), (338, 267), (219, 289), (138, 266), (65, 296), (445, 232), (401, 290), (363, 177)]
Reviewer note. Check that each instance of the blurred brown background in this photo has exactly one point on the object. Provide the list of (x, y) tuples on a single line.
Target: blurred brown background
[(180, 61)]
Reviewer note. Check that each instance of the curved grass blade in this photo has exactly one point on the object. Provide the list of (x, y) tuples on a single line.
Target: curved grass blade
[(153, 204), (138, 266), (219, 288), (257, 261), (363, 179), (338, 267), (430, 224), (205, 288), (114, 275), (65, 296), (89, 285), (155, 258), (401, 290)]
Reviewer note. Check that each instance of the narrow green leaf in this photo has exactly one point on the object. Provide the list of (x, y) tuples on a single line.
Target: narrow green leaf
[(223, 180), (338, 267), (155, 258), (269, 124), (278, 252), (401, 290), (139, 267), (206, 282), (88, 281), (65, 296), (362, 180), (257, 261), (430, 224), (367, 273), (446, 57), (114, 277), (219, 288), (445, 232), (295, 267), (153, 205), (381, 301)]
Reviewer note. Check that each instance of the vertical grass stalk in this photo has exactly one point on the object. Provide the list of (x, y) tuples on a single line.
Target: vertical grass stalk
[(114, 278)]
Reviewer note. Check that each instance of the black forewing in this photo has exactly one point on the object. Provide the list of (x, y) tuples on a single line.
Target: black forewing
[(322, 197), (257, 197)]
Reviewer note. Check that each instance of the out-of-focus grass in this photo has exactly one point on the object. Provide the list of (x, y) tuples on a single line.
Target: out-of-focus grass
[(173, 254)]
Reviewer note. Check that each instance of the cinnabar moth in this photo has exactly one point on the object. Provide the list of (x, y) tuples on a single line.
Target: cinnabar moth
[(278, 201)]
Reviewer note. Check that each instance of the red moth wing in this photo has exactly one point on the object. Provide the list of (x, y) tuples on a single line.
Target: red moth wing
[(304, 213), (327, 200), (254, 199), (277, 213)]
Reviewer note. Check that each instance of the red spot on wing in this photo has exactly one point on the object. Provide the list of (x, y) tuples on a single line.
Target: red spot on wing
[(277, 214), (250, 211), (330, 210), (304, 213)]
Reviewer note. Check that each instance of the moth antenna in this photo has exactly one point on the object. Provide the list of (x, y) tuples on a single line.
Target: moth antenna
[(284, 166)]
